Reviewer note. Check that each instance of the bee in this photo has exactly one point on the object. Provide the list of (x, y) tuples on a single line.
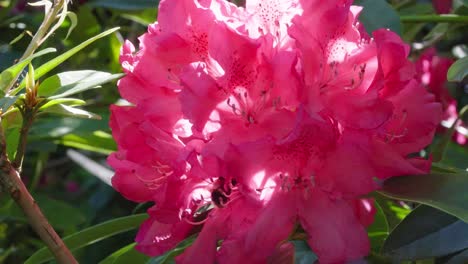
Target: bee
[(222, 191)]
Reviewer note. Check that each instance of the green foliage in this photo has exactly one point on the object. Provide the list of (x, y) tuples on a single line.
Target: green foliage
[(424, 233), (6, 102), (458, 71), (125, 5), (9, 74), (399, 231), (446, 192), (379, 229), (168, 257), (127, 254), (52, 64), (91, 235), (379, 14), (69, 83), (61, 215)]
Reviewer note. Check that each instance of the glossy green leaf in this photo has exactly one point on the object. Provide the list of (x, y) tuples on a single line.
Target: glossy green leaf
[(65, 101), (378, 231), (52, 64), (455, 156), (125, 4), (461, 257), (379, 14), (444, 191), (458, 71), (62, 109), (436, 34), (53, 127), (7, 102), (7, 75), (127, 254), (69, 83), (91, 235), (97, 141), (303, 254), (394, 211), (444, 168), (424, 233)]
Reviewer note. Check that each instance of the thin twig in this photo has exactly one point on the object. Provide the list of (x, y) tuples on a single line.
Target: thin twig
[(12, 184), (42, 31), (28, 118)]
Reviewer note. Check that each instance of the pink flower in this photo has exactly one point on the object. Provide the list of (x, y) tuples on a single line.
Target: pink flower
[(248, 122), (72, 186), (432, 73), (442, 6)]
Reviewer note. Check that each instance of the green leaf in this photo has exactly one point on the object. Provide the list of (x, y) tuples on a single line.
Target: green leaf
[(62, 109), (169, 256), (444, 191), (125, 4), (12, 140), (127, 254), (97, 141), (18, 38), (91, 235), (394, 211), (443, 168), (65, 101), (459, 258), (378, 231), (426, 232), (379, 14), (455, 156), (51, 127), (458, 71), (436, 34), (61, 215), (458, 3), (7, 75), (74, 22), (52, 64), (303, 254), (68, 83), (7, 102)]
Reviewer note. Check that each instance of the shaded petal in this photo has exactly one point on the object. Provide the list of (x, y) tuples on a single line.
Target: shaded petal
[(347, 170), (126, 182), (273, 225), (155, 238), (414, 119), (335, 234)]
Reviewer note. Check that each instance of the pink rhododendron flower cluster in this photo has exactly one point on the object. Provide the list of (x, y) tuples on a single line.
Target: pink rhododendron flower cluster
[(249, 124), (432, 70)]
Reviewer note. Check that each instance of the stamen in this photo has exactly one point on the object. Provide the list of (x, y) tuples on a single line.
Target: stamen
[(195, 223)]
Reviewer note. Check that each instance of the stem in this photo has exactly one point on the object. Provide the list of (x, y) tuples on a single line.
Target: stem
[(11, 182), (38, 38), (28, 118), (435, 18)]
